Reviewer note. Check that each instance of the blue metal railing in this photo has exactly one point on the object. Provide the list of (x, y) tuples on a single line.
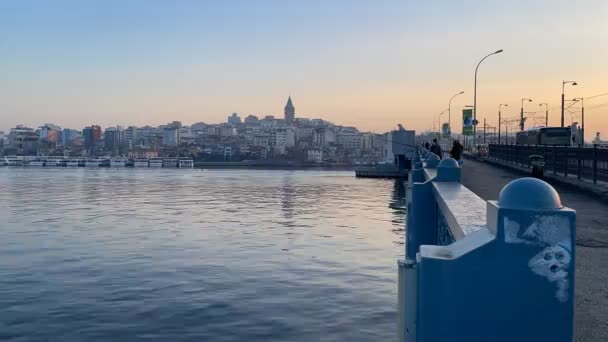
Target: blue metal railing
[(484, 271)]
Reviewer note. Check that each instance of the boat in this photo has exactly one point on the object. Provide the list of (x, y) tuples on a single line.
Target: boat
[(12, 161), (118, 162), (93, 162), (140, 162), (37, 162), (185, 163), (169, 162), (72, 162), (155, 162)]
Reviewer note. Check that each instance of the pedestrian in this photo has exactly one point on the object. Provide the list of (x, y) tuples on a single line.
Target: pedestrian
[(436, 148), (457, 149), (427, 145)]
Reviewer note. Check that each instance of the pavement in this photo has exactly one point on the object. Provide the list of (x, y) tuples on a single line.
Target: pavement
[(591, 287)]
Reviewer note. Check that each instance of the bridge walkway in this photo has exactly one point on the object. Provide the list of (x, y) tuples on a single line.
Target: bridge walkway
[(591, 288)]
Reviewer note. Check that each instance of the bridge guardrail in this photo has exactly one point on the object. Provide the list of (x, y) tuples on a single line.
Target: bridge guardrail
[(585, 162), (485, 271)]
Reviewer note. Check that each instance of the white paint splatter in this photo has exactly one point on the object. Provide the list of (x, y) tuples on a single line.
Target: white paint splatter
[(545, 230), (553, 264)]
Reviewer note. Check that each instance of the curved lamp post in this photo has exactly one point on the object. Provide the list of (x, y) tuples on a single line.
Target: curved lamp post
[(475, 97), (521, 115), (546, 112), (563, 86), (500, 119), (450, 113)]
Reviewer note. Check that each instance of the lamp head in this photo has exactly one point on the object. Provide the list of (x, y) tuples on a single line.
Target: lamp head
[(498, 51), (574, 83)]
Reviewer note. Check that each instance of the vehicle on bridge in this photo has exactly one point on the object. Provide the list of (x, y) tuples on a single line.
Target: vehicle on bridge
[(559, 136)]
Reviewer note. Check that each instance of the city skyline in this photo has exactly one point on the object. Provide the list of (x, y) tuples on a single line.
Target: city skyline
[(360, 64)]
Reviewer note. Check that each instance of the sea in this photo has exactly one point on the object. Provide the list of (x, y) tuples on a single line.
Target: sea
[(198, 255)]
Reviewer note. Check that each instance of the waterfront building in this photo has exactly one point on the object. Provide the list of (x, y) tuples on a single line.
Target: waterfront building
[(290, 111), (69, 135), (131, 135), (91, 136), (23, 140), (113, 138), (49, 133), (314, 155), (171, 134)]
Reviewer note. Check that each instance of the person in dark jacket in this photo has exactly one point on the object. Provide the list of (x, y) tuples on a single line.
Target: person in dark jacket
[(427, 145), (457, 149), (436, 148)]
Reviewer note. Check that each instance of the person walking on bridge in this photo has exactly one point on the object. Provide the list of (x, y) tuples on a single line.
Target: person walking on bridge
[(436, 148), (457, 149)]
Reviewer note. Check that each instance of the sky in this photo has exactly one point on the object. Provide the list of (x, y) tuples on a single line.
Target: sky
[(371, 64)]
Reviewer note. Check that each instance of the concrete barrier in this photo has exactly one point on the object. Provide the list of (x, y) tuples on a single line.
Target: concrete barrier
[(484, 271)]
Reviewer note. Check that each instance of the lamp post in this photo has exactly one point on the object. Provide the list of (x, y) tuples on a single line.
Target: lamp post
[(521, 115), (582, 143), (546, 112), (475, 97), (450, 113), (563, 86), (500, 119)]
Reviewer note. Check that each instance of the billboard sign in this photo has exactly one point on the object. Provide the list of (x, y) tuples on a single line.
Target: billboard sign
[(445, 129), (467, 122)]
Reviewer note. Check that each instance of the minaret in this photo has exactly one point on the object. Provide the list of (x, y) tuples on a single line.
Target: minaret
[(290, 111)]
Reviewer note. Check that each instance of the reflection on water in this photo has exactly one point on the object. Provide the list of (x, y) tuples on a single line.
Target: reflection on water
[(198, 255)]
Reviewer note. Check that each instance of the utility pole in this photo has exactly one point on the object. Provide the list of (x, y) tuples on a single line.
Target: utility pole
[(484, 130)]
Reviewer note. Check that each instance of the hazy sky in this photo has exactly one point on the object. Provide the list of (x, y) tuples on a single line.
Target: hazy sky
[(372, 64)]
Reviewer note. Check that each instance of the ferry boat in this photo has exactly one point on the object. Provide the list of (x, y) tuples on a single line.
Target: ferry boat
[(140, 162), (37, 162), (118, 162), (12, 161), (94, 162), (54, 162), (155, 162), (185, 163), (72, 162), (169, 162)]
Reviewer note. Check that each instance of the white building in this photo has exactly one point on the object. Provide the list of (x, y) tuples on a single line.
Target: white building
[(314, 155), (324, 137), (171, 136), (349, 140), (285, 137)]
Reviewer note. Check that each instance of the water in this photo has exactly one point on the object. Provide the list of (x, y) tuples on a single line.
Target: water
[(198, 255)]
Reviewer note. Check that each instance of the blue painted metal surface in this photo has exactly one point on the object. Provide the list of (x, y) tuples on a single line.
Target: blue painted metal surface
[(485, 271)]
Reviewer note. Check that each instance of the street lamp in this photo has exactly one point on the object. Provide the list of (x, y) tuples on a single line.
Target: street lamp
[(475, 97), (582, 143), (546, 112), (499, 119), (563, 86), (439, 121), (450, 113), (521, 115)]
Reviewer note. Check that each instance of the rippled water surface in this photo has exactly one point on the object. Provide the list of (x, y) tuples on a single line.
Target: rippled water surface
[(198, 255)]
